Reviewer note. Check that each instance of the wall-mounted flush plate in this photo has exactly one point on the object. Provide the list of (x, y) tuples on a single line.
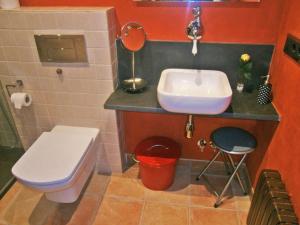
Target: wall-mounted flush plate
[(292, 48), (61, 48)]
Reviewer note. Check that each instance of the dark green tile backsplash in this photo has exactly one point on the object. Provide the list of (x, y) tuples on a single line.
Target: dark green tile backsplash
[(157, 56)]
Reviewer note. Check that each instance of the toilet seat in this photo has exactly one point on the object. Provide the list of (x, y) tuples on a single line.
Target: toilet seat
[(54, 157)]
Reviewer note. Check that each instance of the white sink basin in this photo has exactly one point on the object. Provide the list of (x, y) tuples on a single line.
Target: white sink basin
[(194, 91)]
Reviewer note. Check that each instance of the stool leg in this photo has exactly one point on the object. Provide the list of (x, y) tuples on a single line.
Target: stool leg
[(219, 200), (226, 163), (238, 175), (208, 165)]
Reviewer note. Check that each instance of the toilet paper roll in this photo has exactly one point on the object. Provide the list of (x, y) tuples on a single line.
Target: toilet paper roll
[(9, 4), (21, 99)]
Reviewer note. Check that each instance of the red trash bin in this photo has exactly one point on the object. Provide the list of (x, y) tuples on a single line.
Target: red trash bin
[(157, 158)]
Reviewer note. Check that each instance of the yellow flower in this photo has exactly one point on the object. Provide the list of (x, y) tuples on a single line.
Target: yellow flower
[(245, 58)]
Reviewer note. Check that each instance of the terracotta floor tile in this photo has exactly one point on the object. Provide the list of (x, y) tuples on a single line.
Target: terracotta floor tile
[(126, 187), (22, 207), (201, 196), (128, 202), (178, 193), (183, 166), (9, 196), (205, 216), (116, 212), (237, 189), (83, 211), (243, 203), (176, 197), (216, 168), (163, 214), (97, 184), (31, 207), (242, 218), (131, 172), (184, 162), (47, 212), (86, 211), (201, 193)]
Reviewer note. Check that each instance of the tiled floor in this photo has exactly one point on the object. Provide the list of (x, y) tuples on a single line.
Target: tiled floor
[(9, 156), (122, 200)]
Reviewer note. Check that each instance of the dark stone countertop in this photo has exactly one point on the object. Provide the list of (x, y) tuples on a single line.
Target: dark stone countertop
[(243, 105)]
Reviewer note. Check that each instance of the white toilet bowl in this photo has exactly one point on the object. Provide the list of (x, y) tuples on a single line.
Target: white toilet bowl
[(59, 162)]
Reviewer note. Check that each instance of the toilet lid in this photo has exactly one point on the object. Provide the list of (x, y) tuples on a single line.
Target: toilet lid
[(53, 158)]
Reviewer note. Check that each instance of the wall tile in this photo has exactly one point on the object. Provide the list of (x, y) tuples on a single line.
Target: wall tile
[(38, 96), (91, 55), (33, 21), (41, 110), (85, 72), (49, 20), (46, 84), (109, 138), (7, 38), (112, 19), (11, 53), (18, 20), (103, 72), (77, 96), (22, 38), (2, 57), (4, 68), (113, 53), (103, 165), (97, 39), (102, 56), (109, 126), (26, 54), (66, 20), (93, 21), (92, 113), (4, 20), (31, 83), (17, 68)]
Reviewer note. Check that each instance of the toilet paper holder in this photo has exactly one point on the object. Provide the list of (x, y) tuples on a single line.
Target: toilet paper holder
[(19, 83)]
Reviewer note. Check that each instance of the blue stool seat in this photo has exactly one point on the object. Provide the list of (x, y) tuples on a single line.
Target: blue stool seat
[(233, 140)]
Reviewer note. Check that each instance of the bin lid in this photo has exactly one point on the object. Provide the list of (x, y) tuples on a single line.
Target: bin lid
[(157, 151)]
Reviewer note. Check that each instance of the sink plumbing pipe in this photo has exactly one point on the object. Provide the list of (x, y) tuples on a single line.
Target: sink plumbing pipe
[(189, 127)]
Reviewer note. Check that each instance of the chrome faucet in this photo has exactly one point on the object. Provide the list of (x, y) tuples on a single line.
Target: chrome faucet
[(194, 29)]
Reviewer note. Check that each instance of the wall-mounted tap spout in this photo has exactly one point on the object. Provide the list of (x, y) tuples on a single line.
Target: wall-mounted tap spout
[(194, 29)]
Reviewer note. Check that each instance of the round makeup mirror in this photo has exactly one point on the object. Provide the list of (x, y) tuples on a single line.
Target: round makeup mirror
[(133, 37)]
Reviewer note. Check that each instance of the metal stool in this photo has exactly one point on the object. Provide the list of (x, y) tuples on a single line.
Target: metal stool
[(231, 141)]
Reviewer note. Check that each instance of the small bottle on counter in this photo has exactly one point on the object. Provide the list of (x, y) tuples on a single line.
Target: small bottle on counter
[(265, 92)]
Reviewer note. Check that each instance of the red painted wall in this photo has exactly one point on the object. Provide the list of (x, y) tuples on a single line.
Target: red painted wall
[(231, 22), (245, 23), (140, 126), (284, 151)]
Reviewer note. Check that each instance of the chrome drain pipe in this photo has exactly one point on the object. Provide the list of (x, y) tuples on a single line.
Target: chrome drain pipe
[(189, 127)]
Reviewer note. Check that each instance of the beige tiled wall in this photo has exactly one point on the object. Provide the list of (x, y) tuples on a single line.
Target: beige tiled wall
[(77, 96)]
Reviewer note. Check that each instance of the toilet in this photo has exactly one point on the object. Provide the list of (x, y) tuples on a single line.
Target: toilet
[(59, 162)]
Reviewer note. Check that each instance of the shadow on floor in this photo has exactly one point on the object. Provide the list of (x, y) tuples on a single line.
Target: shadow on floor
[(8, 157)]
